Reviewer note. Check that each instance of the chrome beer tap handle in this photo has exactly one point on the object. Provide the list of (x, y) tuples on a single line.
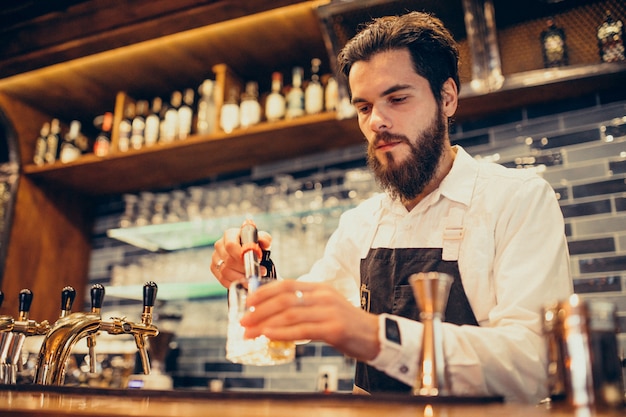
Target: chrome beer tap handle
[(140, 331), (24, 324), (97, 298), (251, 253), (68, 294)]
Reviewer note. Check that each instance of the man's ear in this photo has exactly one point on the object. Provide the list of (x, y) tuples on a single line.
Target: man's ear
[(449, 97)]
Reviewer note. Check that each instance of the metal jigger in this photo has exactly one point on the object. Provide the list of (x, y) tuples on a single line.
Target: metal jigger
[(431, 290)]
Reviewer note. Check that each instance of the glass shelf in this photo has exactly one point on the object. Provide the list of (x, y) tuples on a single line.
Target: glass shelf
[(170, 291), (194, 234)]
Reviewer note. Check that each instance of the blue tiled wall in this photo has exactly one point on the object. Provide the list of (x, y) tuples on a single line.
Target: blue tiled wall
[(579, 146)]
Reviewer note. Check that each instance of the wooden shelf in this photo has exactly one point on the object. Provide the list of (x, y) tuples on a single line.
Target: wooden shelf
[(200, 157)]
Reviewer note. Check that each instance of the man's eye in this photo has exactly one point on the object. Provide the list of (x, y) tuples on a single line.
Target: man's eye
[(398, 99), (362, 109)]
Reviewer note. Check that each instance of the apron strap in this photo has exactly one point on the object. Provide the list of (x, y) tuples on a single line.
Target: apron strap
[(453, 233)]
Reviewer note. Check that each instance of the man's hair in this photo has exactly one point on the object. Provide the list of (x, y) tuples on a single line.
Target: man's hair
[(434, 52)]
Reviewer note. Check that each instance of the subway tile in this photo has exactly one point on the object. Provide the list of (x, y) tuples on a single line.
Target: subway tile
[(222, 367), (620, 203), (526, 161), (617, 185), (601, 284), (614, 131), (554, 107), (618, 299), (612, 95), (592, 115), (618, 167), (529, 128), (568, 139), (586, 209), (605, 264), (568, 229), (577, 247), (562, 193), (593, 226), (247, 383), (188, 381), (493, 120), (599, 150), (557, 174), (471, 141), (330, 351)]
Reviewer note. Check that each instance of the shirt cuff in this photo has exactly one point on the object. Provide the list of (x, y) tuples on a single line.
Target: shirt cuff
[(399, 361)]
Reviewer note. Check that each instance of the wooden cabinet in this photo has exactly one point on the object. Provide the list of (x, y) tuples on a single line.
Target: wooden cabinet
[(72, 65)]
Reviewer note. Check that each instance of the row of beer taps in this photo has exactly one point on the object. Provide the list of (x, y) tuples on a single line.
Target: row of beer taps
[(60, 337)]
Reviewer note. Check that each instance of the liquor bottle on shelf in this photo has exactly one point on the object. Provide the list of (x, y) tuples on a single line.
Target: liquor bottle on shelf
[(126, 127), (153, 123), (69, 148), (185, 114), (295, 96), (102, 144), (331, 94), (207, 111), (229, 116), (170, 128), (275, 102), (553, 45), (52, 142), (41, 144), (250, 109), (314, 92), (611, 39), (138, 125)]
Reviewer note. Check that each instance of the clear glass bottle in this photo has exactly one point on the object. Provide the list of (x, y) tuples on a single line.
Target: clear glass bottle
[(53, 142), (295, 96), (229, 116), (41, 144), (553, 45), (275, 103), (126, 127), (153, 122), (185, 114), (170, 120), (610, 36), (314, 92), (207, 111), (250, 109), (138, 125), (69, 151), (331, 94)]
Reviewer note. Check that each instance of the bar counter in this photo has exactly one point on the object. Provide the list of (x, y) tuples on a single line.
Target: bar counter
[(45, 401)]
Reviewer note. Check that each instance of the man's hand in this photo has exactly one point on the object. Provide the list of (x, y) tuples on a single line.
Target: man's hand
[(291, 310), (227, 262)]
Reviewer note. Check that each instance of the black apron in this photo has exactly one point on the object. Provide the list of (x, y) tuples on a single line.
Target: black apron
[(385, 288)]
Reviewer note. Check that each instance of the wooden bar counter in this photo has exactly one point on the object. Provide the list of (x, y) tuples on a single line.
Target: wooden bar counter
[(37, 401)]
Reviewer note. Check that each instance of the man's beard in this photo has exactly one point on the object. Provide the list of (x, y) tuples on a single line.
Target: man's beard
[(409, 178)]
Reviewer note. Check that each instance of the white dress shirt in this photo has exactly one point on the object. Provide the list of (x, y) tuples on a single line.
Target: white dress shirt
[(513, 260)]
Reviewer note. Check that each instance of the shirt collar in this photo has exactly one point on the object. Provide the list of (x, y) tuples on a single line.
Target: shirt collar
[(458, 185)]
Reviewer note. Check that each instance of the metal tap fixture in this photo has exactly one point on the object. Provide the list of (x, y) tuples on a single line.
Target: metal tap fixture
[(71, 327), (12, 336)]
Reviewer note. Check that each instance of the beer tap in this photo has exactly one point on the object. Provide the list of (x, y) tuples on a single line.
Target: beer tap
[(97, 297), (6, 322), (14, 333), (140, 331), (65, 333)]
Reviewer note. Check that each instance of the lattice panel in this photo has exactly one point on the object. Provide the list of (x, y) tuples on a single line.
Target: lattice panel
[(520, 45)]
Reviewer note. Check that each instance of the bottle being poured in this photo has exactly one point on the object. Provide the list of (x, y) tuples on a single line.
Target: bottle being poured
[(259, 351)]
